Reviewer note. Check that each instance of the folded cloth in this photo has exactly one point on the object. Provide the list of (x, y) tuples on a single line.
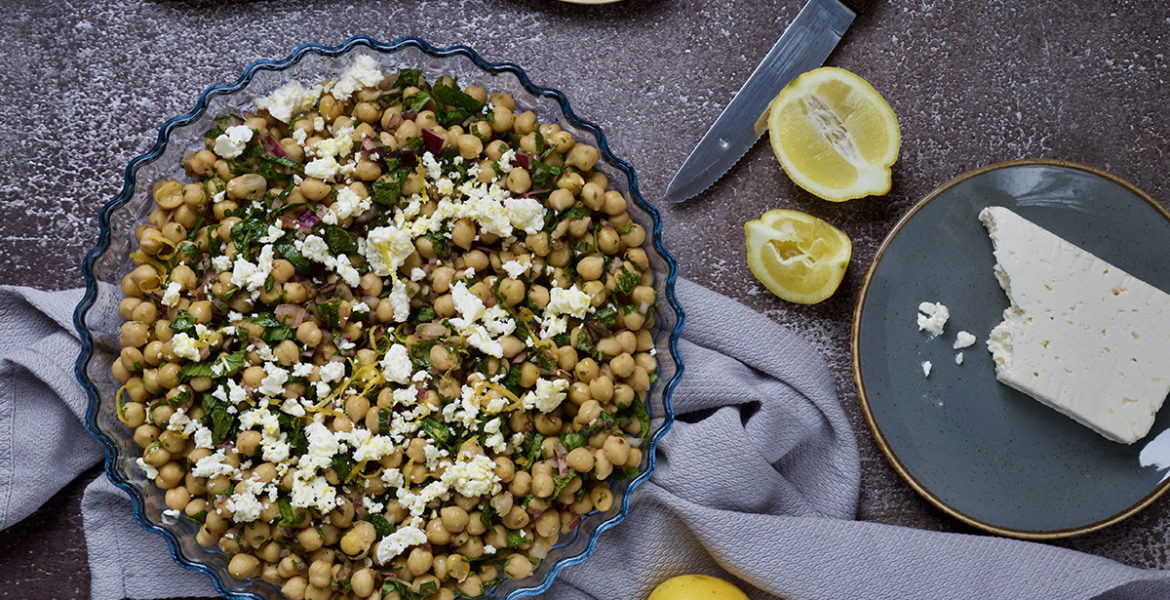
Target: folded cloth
[(758, 482)]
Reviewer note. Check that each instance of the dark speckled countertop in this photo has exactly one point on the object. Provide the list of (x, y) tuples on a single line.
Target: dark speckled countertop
[(86, 85)]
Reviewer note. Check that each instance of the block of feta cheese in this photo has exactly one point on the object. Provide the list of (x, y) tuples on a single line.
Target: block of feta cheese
[(1081, 335)]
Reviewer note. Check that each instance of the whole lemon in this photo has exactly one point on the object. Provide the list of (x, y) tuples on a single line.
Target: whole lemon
[(696, 587)]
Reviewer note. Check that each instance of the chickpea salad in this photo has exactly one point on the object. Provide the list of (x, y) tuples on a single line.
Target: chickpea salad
[(391, 340)]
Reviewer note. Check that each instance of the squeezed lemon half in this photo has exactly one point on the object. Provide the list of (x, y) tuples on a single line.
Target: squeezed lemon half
[(834, 135), (797, 256)]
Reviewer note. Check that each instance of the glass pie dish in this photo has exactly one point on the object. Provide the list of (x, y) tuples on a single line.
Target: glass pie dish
[(98, 322)]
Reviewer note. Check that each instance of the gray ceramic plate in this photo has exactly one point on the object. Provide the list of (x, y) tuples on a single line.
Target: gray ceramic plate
[(980, 451)]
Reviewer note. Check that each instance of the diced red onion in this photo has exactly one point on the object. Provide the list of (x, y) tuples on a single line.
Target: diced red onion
[(297, 313), (309, 219), (409, 115), (531, 193), (274, 147), (433, 141), (524, 160), (370, 148), (394, 121)]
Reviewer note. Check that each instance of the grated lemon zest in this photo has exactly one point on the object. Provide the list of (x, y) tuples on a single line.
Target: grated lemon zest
[(422, 182), (173, 246), (159, 268), (120, 405)]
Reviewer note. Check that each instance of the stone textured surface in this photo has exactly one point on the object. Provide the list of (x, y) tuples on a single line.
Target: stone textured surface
[(87, 85)]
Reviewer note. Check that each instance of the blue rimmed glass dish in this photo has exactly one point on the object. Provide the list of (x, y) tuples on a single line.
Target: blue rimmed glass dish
[(97, 320)]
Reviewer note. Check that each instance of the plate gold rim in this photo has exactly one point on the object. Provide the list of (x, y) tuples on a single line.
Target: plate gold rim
[(863, 399)]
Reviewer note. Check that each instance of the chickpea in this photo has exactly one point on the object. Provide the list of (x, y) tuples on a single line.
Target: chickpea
[(320, 573), (525, 123), (470, 146), (419, 561), (309, 334), (518, 180), (589, 411), (314, 189), (169, 476), (359, 539), (295, 587), (518, 567), (248, 187), (454, 518), (512, 291), (436, 533), (543, 485), (177, 498), (463, 233), (247, 442), (580, 459), (582, 156), (502, 118), (590, 268), (362, 582), (560, 199), (310, 539)]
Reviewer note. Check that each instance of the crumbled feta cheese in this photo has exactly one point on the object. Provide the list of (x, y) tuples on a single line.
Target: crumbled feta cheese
[(526, 214), (396, 543), (181, 423), (171, 296), (345, 269), (231, 143), (515, 268), (289, 100), (324, 169), (473, 477), (348, 204), (572, 302), (150, 471), (958, 358), (221, 263), (203, 438), (417, 274), (243, 502), (396, 365), (332, 371), (314, 493), (273, 382), (363, 72), (400, 301), (963, 340), (213, 465), (386, 248), (274, 233), (252, 276), (185, 346), (551, 327), (926, 366), (548, 395), (933, 316)]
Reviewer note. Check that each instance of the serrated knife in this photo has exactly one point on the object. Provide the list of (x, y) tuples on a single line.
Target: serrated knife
[(804, 46)]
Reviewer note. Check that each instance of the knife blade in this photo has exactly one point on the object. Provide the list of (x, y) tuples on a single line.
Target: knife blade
[(805, 45)]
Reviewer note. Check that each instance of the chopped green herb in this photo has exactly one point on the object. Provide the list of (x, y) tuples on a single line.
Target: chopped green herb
[(183, 322), (380, 523), (342, 464), (339, 240)]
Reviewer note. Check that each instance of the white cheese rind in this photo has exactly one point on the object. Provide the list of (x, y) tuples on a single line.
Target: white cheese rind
[(1081, 335)]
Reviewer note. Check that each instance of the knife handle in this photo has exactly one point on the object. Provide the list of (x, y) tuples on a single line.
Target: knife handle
[(857, 6)]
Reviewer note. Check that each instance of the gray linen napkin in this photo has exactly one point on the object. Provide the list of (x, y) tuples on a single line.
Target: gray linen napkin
[(757, 482)]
